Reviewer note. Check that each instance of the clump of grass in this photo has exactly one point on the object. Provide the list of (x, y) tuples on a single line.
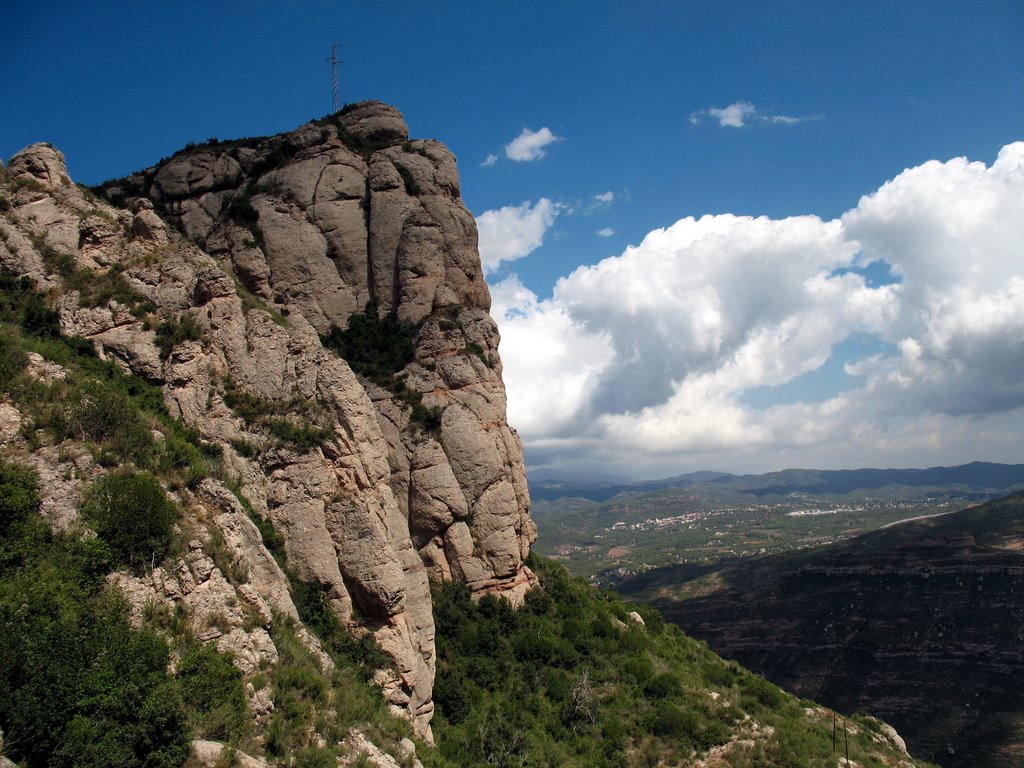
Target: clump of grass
[(96, 289), (26, 182), (475, 349), (379, 348), (293, 422), (114, 413), (175, 330)]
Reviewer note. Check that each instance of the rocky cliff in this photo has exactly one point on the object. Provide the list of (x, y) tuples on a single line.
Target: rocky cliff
[(226, 268)]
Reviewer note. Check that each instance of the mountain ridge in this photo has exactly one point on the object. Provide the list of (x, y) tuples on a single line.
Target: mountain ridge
[(976, 477), (230, 275)]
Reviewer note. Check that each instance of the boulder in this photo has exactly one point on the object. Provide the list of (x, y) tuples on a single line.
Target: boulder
[(374, 122)]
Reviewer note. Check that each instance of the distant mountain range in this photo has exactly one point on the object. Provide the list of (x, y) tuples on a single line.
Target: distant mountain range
[(978, 480)]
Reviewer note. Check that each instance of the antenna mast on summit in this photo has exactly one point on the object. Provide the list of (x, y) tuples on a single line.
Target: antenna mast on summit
[(335, 98)]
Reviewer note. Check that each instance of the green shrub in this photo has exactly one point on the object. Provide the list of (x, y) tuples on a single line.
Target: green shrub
[(303, 435), (12, 360), (27, 182), (78, 686), (99, 412), (244, 447), (475, 349), (54, 261), (173, 331), (22, 530), (96, 289), (290, 421), (299, 689), (427, 417), (19, 495), (312, 603), (21, 304), (241, 211), (662, 686), (131, 512), (314, 757), (759, 692), (250, 407), (374, 346), (379, 348), (213, 693)]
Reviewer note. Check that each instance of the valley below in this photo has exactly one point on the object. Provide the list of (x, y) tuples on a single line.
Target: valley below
[(906, 602)]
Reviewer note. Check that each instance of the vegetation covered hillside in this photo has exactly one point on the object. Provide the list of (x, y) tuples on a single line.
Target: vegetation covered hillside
[(579, 678), (88, 679), (614, 532)]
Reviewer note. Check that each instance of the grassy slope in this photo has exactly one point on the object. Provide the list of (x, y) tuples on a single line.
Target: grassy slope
[(572, 680)]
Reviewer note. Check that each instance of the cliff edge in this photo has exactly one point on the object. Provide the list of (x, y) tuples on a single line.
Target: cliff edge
[(257, 276)]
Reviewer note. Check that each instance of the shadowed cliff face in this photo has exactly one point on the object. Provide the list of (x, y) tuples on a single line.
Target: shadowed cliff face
[(920, 624), (258, 247)]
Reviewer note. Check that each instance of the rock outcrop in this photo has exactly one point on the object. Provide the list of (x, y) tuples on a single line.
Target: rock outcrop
[(237, 257)]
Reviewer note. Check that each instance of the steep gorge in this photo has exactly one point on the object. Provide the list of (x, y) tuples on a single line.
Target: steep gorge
[(238, 256)]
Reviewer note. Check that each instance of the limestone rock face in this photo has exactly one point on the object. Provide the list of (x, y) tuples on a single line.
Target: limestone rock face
[(260, 246)]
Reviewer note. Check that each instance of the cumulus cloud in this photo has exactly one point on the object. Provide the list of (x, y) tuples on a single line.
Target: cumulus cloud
[(563, 358), (741, 114), (515, 231), (649, 353), (489, 161), (529, 145)]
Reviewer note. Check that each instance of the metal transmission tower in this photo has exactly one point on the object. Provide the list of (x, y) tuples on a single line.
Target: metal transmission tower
[(335, 61)]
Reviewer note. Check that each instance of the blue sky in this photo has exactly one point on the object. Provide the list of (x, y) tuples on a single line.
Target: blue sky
[(637, 115)]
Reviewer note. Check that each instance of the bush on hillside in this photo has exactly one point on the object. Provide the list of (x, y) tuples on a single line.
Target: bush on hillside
[(78, 686), (131, 512)]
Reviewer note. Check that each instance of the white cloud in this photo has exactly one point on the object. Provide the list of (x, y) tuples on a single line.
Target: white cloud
[(741, 114), (734, 115), (563, 361), (491, 160), (605, 232), (649, 353), (514, 231), (529, 145), (600, 202)]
